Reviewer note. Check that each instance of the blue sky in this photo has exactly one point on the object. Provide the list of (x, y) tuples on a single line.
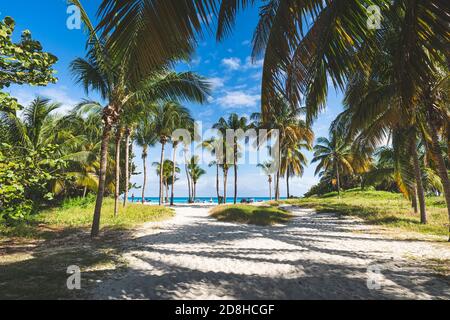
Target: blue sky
[(227, 64)]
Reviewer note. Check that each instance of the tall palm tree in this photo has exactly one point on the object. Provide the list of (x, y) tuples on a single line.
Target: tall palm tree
[(196, 172), (285, 120), (183, 121), (167, 170), (168, 116), (214, 146), (268, 169), (293, 162), (233, 124), (146, 138), (333, 155)]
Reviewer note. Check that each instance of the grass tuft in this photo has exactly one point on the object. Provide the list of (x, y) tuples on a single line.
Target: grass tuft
[(257, 215)]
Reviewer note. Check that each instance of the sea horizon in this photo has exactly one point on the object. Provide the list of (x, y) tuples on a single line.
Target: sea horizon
[(201, 199)]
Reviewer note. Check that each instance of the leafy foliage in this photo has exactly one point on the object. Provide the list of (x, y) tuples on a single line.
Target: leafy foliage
[(21, 63)]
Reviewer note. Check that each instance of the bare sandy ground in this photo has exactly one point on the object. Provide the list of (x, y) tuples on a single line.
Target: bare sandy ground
[(316, 256)]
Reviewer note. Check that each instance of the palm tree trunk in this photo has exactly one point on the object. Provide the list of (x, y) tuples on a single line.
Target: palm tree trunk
[(225, 182), (418, 178), (161, 172), (217, 183), (166, 200), (287, 184), (338, 180), (127, 165), (414, 200), (117, 172), (173, 173), (270, 187), (186, 167), (277, 186), (144, 162), (102, 177), (440, 164), (235, 175)]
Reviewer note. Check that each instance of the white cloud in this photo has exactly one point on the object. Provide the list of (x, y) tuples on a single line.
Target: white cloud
[(58, 94), (246, 42), (217, 82), (238, 99), (232, 63)]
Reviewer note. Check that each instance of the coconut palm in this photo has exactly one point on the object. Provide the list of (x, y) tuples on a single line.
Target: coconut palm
[(146, 138), (167, 170), (232, 125), (333, 155), (167, 117), (268, 169), (293, 162), (195, 172), (214, 146)]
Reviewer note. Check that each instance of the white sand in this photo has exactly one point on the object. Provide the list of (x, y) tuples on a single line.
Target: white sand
[(316, 256)]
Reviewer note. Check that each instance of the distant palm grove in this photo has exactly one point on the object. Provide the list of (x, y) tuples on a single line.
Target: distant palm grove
[(393, 135)]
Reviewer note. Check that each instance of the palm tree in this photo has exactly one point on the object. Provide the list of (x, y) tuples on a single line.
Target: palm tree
[(196, 172), (146, 138), (183, 121), (233, 123), (293, 162), (106, 73), (285, 120), (333, 155), (167, 170), (168, 116), (268, 169), (214, 146)]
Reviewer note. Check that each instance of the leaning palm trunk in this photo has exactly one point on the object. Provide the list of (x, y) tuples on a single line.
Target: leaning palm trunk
[(109, 119), (127, 165), (173, 173), (117, 172), (440, 164), (161, 172), (418, 178), (144, 162)]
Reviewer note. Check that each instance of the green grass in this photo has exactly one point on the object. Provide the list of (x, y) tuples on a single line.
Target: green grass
[(34, 256), (77, 214), (382, 208), (262, 216)]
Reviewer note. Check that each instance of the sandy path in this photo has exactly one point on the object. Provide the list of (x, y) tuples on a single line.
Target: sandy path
[(316, 256)]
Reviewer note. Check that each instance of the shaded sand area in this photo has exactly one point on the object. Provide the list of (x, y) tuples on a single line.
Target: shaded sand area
[(315, 256)]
